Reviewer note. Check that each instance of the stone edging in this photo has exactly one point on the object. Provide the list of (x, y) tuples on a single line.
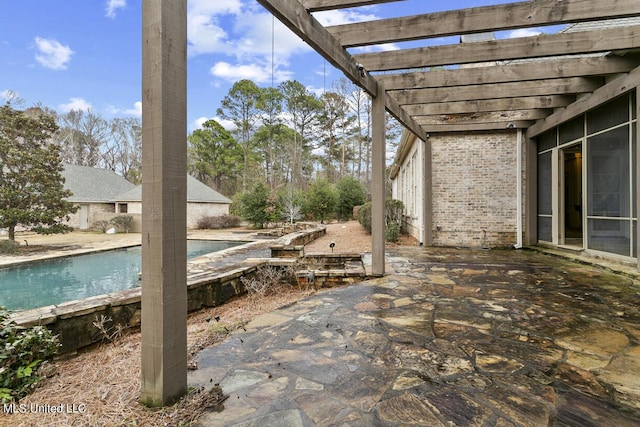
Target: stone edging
[(73, 321)]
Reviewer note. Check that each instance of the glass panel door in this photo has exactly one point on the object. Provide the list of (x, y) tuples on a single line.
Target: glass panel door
[(572, 197)]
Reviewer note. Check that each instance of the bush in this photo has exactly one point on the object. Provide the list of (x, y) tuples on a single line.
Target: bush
[(291, 205), (122, 222), (392, 232), (393, 210), (265, 280), (255, 206), (22, 351), (217, 222), (8, 247), (101, 225), (351, 193), (321, 200), (364, 216)]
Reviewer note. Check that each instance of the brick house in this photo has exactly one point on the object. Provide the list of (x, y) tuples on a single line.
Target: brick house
[(581, 172)]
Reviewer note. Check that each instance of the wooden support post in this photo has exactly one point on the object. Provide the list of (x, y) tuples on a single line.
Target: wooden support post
[(531, 193), (164, 201), (637, 160), (378, 193), (427, 192)]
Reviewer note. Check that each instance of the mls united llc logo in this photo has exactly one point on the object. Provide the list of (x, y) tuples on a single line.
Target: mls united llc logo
[(61, 408)]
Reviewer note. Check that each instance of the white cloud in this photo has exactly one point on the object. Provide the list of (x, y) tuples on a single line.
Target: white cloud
[(197, 123), (113, 5), (52, 54), (204, 32), (227, 124), (255, 72), (9, 95), (135, 111), (243, 32), (209, 7), (77, 104), (339, 17), (523, 32), (204, 35), (260, 36)]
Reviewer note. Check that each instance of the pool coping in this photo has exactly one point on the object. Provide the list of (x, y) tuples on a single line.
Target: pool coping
[(207, 286)]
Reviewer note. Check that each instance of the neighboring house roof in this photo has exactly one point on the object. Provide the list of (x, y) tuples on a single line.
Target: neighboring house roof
[(601, 25), (89, 184), (197, 192), (477, 37)]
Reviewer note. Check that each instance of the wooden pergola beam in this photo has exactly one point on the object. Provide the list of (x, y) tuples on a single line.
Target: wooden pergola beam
[(481, 19), (476, 127), (515, 72), (599, 96), (295, 17), (487, 105), (583, 42), (320, 5), (478, 118), (570, 85)]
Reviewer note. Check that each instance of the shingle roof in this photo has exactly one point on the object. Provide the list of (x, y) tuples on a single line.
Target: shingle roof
[(197, 192), (478, 37), (90, 184), (601, 25)]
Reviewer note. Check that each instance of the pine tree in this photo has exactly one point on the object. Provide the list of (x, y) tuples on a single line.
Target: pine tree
[(32, 190)]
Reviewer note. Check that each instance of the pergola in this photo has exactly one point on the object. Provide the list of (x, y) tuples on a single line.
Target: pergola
[(531, 83)]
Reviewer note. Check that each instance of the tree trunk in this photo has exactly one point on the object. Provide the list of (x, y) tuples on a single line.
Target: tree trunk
[(12, 233)]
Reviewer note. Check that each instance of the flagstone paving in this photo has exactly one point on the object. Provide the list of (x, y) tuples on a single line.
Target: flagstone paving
[(449, 338)]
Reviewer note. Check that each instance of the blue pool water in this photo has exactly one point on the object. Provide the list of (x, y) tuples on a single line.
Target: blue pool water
[(58, 280)]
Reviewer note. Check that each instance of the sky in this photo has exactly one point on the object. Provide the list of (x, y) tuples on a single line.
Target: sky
[(86, 54)]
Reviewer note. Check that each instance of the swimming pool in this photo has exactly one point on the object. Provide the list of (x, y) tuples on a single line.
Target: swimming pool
[(54, 281)]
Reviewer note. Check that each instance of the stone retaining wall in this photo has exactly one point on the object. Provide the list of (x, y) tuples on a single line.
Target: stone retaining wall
[(73, 321)]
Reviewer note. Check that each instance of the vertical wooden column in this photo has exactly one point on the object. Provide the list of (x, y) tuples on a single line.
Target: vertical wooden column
[(378, 193), (164, 201), (427, 193), (531, 193), (637, 160)]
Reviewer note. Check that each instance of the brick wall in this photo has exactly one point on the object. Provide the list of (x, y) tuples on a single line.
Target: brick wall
[(474, 189)]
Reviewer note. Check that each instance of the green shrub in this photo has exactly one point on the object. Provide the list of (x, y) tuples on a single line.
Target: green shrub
[(255, 206), (217, 222), (392, 232), (8, 247), (122, 222), (351, 193), (321, 200), (393, 211), (22, 351), (364, 216)]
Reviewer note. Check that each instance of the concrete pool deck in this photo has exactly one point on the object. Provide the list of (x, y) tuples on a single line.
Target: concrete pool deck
[(79, 242), (448, 338)]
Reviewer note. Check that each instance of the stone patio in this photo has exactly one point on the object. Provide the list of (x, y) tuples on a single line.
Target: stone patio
[(448, 338)]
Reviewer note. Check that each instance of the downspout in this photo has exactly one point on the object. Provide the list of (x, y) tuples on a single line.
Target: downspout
[(518, 244)]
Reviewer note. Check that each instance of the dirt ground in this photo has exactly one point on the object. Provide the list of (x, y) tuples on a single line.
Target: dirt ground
[(106, 378), (349, 237)]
